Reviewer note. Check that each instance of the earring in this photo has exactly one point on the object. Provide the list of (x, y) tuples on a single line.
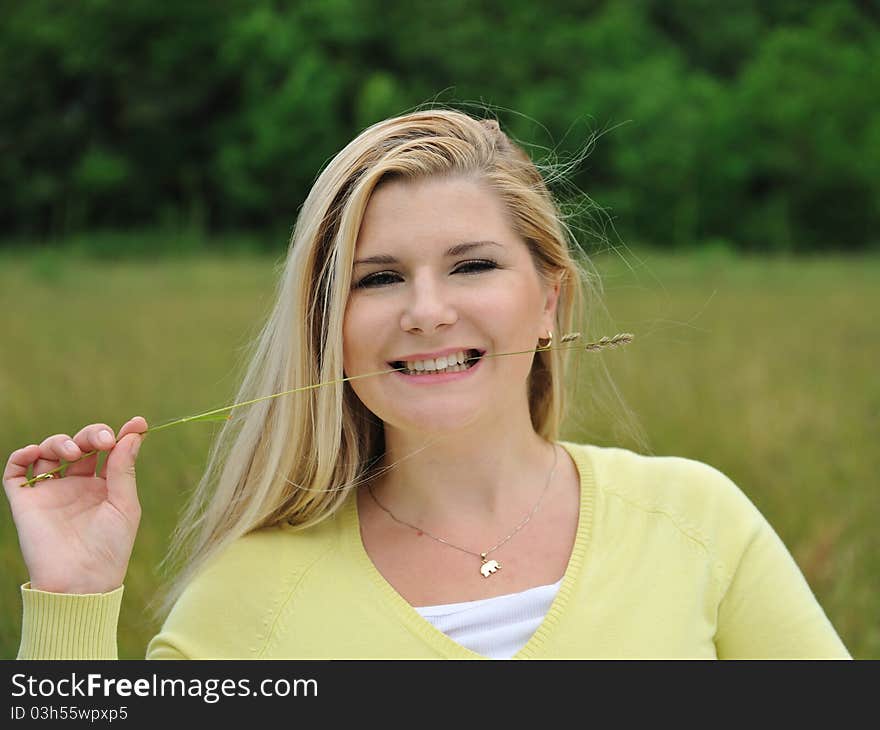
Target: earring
[(545, 342)]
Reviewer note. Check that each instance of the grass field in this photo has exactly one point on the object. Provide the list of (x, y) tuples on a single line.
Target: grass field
[(765, 368)]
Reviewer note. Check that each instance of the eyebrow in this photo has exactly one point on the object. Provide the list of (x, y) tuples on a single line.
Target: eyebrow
[(456, 250)]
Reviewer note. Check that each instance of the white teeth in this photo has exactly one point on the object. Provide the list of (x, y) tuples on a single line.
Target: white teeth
[(452, 363), (440, 363)]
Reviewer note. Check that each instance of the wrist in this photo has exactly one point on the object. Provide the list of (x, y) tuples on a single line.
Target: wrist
[(74, 588)]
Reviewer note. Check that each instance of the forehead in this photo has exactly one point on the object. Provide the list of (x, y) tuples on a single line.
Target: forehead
[(429, 212)]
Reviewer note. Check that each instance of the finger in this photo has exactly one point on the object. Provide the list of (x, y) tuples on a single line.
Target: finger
[(89, 439), (15, 473), (119, 471), (52, 451), (136, 425)]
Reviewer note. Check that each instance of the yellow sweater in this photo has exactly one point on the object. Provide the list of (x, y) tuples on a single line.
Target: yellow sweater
[(671, 560)]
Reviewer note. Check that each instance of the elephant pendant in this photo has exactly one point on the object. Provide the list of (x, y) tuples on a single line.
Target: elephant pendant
[(489, 566)]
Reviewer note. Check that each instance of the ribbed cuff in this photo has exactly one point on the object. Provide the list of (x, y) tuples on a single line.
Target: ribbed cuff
[(67, 625)]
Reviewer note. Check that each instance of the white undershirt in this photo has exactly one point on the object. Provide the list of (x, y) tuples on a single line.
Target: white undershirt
[(495, 627)]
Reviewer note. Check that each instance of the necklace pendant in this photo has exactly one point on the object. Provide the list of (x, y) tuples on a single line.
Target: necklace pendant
[(489, 566)]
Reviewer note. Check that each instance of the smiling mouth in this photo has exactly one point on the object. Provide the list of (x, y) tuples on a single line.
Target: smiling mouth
[(471, 357)]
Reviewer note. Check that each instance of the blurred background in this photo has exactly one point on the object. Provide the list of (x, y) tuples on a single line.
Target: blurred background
[(719, 164)]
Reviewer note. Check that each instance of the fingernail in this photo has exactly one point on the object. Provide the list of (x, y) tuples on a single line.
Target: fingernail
[(105, 437), (137, 446), (71, 447)]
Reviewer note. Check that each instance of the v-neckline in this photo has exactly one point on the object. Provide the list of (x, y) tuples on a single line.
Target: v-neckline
[(431, 634)]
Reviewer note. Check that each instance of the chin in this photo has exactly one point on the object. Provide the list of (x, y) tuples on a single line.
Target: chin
[(431, 420)]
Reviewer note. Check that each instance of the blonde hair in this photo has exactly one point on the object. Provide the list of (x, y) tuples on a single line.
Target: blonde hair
[(295, 459)]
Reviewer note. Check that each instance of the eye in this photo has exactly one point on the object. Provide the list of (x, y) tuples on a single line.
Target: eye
[(381, 278), (377, 279), (477, 266)]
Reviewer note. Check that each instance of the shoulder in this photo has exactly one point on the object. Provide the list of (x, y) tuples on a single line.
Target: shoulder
[(278, 548), (691, 496), (268, 555), (676, 482), (230, 606)]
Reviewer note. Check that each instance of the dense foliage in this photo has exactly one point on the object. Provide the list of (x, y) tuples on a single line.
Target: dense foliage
[(755, 123)]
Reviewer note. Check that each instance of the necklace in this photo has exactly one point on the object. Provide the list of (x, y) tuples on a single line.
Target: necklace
[(487, 567)]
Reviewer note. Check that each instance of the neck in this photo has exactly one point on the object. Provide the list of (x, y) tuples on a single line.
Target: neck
[(473, 478)]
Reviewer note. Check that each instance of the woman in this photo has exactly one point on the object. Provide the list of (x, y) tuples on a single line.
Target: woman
[(429, 510)]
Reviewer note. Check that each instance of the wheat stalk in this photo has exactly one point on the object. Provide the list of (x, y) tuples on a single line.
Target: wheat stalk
[(217, 414)]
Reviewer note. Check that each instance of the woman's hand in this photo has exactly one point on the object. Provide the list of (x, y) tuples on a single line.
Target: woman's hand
[(76, 532)]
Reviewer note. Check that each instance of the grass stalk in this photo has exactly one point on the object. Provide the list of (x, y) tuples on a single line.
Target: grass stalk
[(218, 413)]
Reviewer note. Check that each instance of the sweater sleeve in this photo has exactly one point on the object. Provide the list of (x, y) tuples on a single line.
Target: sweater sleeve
[(769, 611), (75, 626), (68, 626)]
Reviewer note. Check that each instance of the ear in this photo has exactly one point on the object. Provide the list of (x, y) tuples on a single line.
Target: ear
[(551, 300)]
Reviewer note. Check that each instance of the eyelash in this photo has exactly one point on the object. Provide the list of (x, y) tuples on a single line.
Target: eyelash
[(368, 281)]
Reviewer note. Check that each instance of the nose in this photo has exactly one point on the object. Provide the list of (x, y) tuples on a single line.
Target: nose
[(428, 307)]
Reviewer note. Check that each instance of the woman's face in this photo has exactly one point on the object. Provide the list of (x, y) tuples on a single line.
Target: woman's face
[(448, 274)]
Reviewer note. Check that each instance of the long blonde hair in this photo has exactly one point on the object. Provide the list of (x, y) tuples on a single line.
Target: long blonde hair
[(295, 459)]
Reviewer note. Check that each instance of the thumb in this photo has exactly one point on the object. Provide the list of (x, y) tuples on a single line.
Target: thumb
[(121, 480)]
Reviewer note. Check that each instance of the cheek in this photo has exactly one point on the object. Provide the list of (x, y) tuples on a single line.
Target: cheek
[(513, 310), (349, 341), (360, 325)]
